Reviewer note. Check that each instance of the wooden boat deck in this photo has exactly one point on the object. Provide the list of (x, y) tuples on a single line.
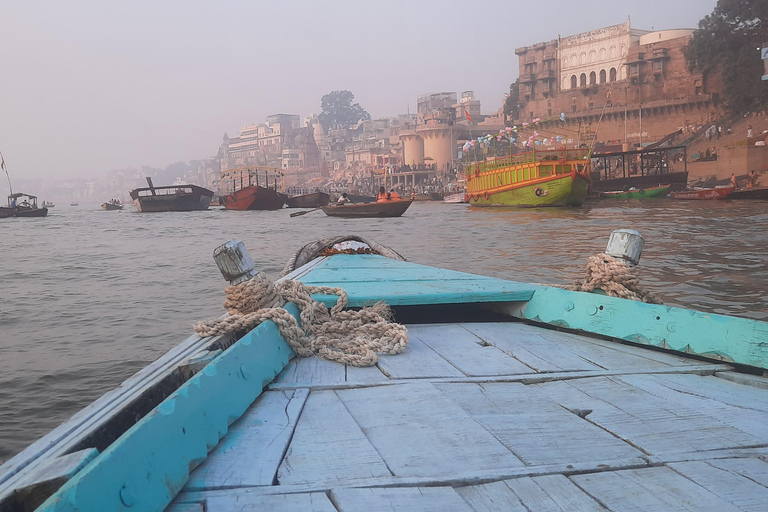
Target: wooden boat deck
[(496, 416)]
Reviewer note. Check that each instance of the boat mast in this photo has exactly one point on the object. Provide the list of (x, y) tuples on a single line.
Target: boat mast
[(2, 164)]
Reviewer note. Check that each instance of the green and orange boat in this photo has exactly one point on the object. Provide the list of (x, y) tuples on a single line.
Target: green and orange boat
[(538, 178)]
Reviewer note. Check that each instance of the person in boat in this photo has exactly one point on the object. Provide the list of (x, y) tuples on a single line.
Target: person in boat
[(13, 203), (382, 195), (752, 179), (733, 181), (343, 199), (393, 196)]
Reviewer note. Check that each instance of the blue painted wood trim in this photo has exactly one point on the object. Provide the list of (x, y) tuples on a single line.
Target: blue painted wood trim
[(727, 338), (371, 278), (149, 464)]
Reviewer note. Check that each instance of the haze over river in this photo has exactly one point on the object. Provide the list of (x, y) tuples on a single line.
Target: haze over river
[(89, 297)]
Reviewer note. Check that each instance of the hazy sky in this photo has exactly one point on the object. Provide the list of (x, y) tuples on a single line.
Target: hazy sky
[(91, 86)]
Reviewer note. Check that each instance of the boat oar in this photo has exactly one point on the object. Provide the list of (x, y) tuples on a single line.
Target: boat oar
[(296, 214)]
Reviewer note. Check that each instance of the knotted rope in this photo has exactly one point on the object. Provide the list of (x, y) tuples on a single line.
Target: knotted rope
[(614, 277), (350, 337)]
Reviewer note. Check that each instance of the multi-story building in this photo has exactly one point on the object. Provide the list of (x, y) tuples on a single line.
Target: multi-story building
[(635, 83)]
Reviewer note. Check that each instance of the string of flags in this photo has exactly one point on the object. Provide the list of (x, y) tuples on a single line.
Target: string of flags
[(511, 134)]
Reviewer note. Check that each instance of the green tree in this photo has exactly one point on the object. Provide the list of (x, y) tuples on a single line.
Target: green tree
[(338, 111), (512, 102), (727, 41)]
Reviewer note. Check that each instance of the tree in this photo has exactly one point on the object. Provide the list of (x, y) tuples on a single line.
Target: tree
[(338, 111), (727, 41), (512, 102)]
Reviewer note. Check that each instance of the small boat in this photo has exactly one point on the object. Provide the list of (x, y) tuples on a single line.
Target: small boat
[(638, 193), (509, 396), (313, 200), (25, 205), (538, 178), (703, 193), (376, 209), (458, 197), (112, 204), (74, 203), (750, 193), (175, 198), (48, 204)]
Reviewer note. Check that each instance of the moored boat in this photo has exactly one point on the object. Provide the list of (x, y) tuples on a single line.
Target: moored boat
[(237, 421), (458, 197), (703, 193), (750, 193), (375, 209), (247, 193), (637, 193), (175, 198), (48, 204), (74, 203), (540, 178), (313, 200)]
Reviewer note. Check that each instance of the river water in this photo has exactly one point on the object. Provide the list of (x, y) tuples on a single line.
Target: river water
[(89, 297)]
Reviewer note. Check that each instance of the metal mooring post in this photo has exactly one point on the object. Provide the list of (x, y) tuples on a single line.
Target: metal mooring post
[(234, 262), (626, 244)]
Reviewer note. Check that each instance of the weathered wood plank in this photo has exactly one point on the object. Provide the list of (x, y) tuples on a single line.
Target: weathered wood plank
[(311, 502), (466, 351), (252, 450), (538, 348), (740, 340), (641, 490), (185, 507), (312, 370), (552, 493), (365, 375), (425, 499), (496, 496), (742, 407), (420, 432), (417, 361), (150, 463), (655, 425), (536, 429), (328, 446), (726, 480)]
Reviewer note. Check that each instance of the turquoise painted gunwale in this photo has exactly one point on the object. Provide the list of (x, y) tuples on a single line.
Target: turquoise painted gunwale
[(727, 338), (150, 463), (369, 278)]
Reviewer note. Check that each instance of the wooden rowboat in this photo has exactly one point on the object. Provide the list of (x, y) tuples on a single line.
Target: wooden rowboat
[(703, 193), (377, 209), (750, 193), (508, 396), (313, 200), (642, 193)]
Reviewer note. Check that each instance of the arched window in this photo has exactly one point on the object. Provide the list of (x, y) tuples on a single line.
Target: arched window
[(573, 81), (573, 60), (612, 52), (583, 80), (602, 76), (612, 75), (601, 57), (592, 78), (583, 58), (592, 56), (565, 62)]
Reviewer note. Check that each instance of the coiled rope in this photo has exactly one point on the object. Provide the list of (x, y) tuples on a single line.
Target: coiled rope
[(345, 336), (614, 277)]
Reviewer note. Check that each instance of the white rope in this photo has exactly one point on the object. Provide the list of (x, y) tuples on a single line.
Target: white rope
[(614, 277), (349, 337)]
